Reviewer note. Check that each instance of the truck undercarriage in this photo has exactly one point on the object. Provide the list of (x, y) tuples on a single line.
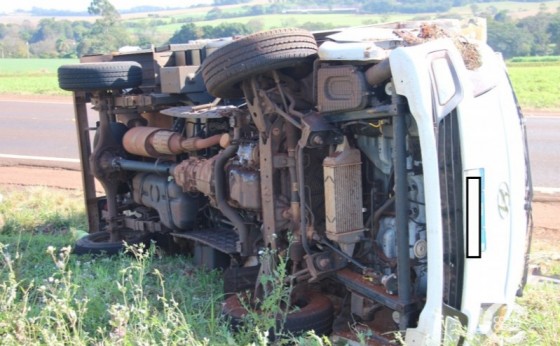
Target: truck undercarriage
[(281, 146)]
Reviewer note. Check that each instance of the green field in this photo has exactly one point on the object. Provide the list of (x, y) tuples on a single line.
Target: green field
[(536, 81), (296, 20), (31, 76), (515, 9), (537, 85), (197, 15), (32, 66)]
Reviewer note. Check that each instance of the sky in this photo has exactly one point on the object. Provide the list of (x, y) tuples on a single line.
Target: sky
[(7, 6)]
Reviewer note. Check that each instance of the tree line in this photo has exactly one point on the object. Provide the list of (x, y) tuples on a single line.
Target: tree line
[(50, 38)]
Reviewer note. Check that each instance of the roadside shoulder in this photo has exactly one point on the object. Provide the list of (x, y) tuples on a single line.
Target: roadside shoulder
[(46, 98), (535, 112)]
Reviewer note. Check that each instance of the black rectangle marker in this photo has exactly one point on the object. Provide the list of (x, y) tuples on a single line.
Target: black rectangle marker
[(474, 224)]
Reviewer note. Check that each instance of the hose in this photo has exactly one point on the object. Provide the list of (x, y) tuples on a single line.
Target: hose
[(221, 195)]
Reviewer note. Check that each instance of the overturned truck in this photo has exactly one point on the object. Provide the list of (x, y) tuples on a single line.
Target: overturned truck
[(386, 164)]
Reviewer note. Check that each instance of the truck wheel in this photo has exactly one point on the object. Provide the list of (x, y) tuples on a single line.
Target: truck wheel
[(251, 55), (98, 243), (315, 312), (100, 76), (238, 279)]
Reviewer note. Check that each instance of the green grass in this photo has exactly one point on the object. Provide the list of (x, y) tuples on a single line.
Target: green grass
[(31, 76), (50, 297), (537, 85), (32, 66), (535, 321), (40, 210), (29, 84)]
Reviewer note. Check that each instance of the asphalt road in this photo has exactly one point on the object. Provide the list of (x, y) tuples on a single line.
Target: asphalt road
[(44, 131), (543, 134), (38, 128)]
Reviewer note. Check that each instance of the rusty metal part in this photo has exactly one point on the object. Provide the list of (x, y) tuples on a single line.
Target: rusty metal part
[(245, 187), (295, 210), (143, 225), (363, 307), (88, 182), (268, 149), (314, 311), (209, 177), (196, 143), (106, 149), (378, 73), (301, 192), (248, 154), (133, 101), (177, 210), (154, 119), (243, 246), (156, 142), (320, 264), (255, 105), (361, 284), (195, 175), (130, 118), (225, 140)]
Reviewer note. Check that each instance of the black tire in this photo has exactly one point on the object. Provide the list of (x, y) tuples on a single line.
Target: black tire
[(316, 312), (238, 279), (251, 55), (117, 131), (98, 243), (100, 76)]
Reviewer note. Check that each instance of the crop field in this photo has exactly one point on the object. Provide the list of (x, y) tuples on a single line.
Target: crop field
[(537, 84), (32, 66), (31, 76), (293, 20), (197, 16)]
